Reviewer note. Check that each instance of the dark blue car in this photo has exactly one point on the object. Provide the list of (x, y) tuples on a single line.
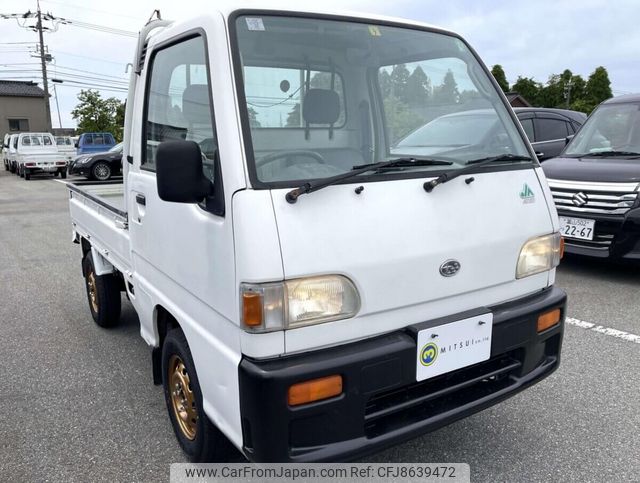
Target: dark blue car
[(94, 142)]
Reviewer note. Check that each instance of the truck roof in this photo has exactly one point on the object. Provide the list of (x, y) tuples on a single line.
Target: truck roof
[(226, 8)]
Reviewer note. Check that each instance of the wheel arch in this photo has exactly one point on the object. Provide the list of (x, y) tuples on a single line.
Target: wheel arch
[(163, 322)]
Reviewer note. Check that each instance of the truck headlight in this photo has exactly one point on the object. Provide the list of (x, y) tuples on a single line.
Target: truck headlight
[(297, 303), (539, 255)]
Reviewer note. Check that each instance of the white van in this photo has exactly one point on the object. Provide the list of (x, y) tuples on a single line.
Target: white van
[(311, 291)]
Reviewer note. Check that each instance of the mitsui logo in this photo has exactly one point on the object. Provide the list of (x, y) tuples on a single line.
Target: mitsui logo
[(428, 354), (527, 194)]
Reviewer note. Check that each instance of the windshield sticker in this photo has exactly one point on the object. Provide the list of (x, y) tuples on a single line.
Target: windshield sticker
[(527, 194), (374, 31), (255, 24)]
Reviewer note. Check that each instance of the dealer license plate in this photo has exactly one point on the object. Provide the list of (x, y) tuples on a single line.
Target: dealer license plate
[(451, 346), (581, 228)]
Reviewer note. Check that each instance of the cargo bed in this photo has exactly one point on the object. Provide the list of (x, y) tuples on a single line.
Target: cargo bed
[(98, 213)]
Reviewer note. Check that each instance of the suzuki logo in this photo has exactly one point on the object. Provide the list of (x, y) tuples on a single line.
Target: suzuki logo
[(449, 268), (579, 199)]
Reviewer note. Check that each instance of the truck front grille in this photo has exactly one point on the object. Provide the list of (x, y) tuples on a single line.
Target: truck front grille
[(395, 409), (591, 197)]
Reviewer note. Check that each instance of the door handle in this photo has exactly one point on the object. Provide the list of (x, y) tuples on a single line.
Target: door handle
[(141, 200), (539, 154)]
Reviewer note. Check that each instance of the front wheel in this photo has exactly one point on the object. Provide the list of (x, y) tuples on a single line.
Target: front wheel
[(27, 175), (20, 171), (103, 294), (101, 171), (198, 437), (63, 174)]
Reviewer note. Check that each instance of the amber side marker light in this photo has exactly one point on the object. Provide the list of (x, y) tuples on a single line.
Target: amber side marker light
[(548, 320), (561, 247), (251, 309), (315, 390)]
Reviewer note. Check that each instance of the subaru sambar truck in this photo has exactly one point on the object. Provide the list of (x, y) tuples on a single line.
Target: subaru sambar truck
[(311, 289)]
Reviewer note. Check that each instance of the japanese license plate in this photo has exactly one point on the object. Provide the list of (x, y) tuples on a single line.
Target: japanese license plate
[(581, 228), (451, 346)]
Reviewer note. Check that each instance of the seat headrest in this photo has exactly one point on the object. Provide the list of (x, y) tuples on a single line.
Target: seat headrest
[(321, 106), (195, 104)]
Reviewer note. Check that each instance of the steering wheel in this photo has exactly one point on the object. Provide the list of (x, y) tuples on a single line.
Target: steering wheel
[(270, 158)]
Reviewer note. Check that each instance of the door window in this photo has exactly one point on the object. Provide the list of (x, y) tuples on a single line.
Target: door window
[(550, 129), (527, 125), (179, 102)]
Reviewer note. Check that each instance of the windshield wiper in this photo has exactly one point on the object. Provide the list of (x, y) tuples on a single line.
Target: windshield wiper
[(471, 165), (610, 153), (293, 195)]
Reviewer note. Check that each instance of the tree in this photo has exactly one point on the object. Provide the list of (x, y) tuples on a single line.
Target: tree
[(95, 114), (447, 92), (527, 88), (598, 86), (501, 78), (418, 88), (399, 78), (385, 83), (253, 118), (401, 120), (293, 118)]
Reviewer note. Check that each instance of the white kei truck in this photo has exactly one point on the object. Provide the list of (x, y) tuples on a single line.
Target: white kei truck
[(38, 153), (312, 288)]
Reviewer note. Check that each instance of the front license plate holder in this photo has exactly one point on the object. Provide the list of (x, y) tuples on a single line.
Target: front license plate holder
[(453, 345)]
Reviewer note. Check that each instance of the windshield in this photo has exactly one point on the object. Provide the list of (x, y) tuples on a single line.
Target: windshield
[(611, 127), (322, 96)]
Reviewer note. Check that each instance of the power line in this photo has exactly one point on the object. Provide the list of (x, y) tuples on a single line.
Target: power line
[(74, 5)]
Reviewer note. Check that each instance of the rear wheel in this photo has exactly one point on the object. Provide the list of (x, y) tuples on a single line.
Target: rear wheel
[(198, 437), (101, 171), (27, 175), (103, 294), (12, 168), (63, 174)]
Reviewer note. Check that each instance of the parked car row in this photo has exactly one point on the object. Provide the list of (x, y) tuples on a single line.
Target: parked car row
[(94, 155)]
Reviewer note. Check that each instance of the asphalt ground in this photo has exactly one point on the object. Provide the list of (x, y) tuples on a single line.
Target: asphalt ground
[(77, 402)]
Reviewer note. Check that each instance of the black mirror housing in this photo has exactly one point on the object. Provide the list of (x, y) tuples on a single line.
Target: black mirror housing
[(179, 175)]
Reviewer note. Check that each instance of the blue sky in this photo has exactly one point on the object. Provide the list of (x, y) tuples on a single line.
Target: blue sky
[(528, 38)]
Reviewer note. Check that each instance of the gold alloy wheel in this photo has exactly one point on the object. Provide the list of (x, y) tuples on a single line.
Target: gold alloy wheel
[(93, 291), (182, 397)]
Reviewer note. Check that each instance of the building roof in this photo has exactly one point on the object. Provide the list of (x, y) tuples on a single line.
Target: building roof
[(20, 89), (514, 97)]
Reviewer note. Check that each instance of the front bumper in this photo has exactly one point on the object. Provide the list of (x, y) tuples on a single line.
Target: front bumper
[(615, 237), (382, 404), (77, 168)]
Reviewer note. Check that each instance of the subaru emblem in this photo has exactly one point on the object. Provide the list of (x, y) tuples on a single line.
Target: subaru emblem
[(449, 268)]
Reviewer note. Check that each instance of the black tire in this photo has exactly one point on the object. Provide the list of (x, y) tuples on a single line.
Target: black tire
[(208, 444), (105, 307), (63, 174), (27, 175), (6, 166), (12, 168), (101, 171), (20, 172)]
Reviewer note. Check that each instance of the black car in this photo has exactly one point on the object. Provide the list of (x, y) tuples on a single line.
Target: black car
[(547, 129), (98, 166), (595, 183)]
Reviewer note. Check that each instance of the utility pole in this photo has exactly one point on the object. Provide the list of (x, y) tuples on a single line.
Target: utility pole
[(43, 63), (567, 92)]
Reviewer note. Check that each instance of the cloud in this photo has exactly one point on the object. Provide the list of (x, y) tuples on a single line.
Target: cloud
[(532, 39)]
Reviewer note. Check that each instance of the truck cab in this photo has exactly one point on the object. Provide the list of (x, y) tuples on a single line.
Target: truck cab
[(11, 152), (311, 289)]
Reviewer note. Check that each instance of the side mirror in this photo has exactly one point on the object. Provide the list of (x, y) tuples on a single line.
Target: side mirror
[(568, 139), (180, 179), (76, 144)]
